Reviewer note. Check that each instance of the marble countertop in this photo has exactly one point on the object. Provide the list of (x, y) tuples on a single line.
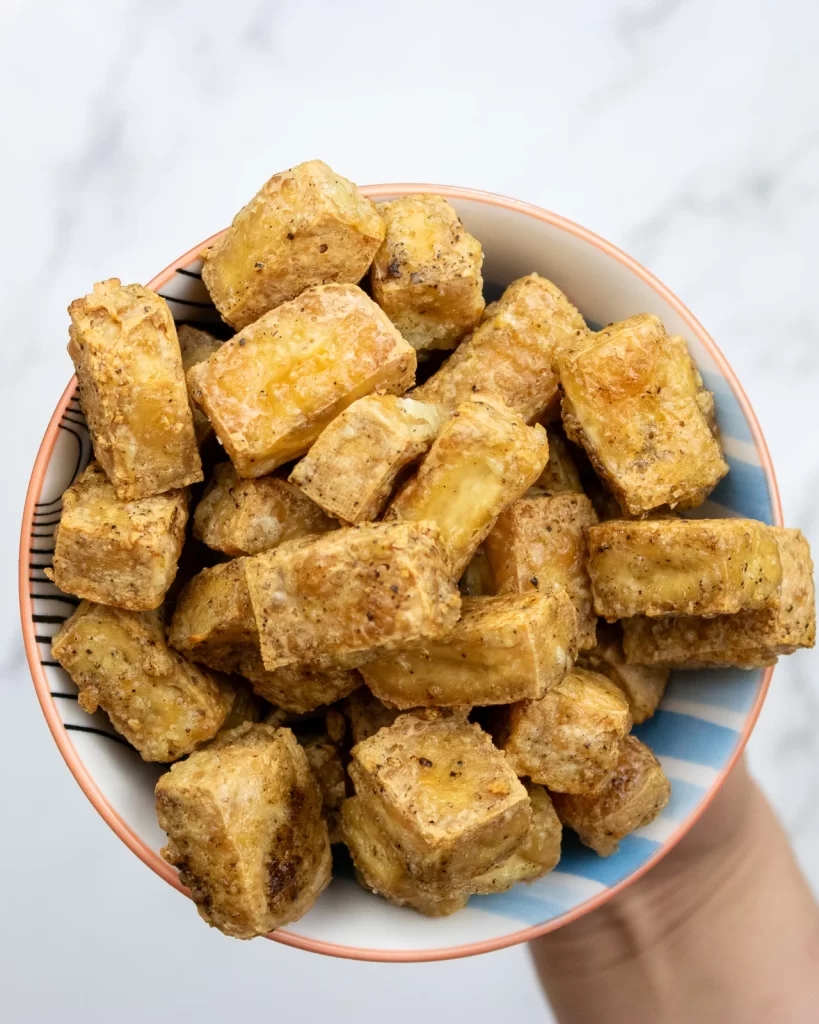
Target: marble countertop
[(686, 133)]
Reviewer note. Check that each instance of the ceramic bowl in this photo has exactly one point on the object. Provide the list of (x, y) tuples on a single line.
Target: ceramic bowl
[(698, 733)]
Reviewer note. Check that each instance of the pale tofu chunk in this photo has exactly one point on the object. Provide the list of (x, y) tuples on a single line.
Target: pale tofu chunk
[(245, 829), (484, 458), (427, 274), (634, 794), (121, 553), (561, 472), (324, 758), (503, 649), (352, 466), (643, 685), (196, 346), (683, 567), (132, 389), (305, 226), (160, 703)]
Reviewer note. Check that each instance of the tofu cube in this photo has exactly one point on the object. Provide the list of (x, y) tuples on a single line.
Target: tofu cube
[(691, 377), (132, 388), (324, 758), (634, 794), (503, 649), (427, 274), (484, 458), (540, 544), (643, 685), (304, 227), (121, 553), (568, 740), (683, 567), (271, 390), (246, 517), (351, 468), (367, 714), (340, 600), (561, 472), (245, 828), (301, 689), (164, 706), (196, 346), (629, 403), (246, 707)]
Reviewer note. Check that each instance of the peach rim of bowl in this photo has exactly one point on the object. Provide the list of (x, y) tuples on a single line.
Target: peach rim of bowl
[(149, 856)]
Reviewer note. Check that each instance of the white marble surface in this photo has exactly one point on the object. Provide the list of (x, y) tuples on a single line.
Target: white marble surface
[(685, 132)]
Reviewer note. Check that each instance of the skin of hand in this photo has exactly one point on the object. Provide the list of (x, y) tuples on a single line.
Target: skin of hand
[(724, 929)]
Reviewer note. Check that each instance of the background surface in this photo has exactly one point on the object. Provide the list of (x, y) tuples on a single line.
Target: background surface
[(684, 132)]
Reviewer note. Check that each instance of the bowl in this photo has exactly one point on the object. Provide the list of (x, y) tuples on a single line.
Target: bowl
[(698, 732)]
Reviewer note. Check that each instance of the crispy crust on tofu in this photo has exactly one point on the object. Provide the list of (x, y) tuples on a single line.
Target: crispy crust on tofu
[(244, 826), (196, 346), (327, 767), (132, 387), (367, 714), (484, 458), (300, 689), (561, 472), (643, 685), (427, 274), (683, 567), (271, 390), (304, 227), (352, 466), (689, 373), (503, 649)]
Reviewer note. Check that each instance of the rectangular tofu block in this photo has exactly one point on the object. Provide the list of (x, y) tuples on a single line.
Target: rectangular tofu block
[(132, 389), (271, 390), (683, 567), (427, 274), (340, 600), (643, 685), (196, 346), (163, 705), (245, 828), (629, 403), (503, 649), (484, 458), (352, 466), (304, 227), (540, 544), (510, 353), (121, 553)]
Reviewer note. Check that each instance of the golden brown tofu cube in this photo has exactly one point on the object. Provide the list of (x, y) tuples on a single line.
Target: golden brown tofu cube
[(503, 649), (484, 458), (305, 226), (627, 401), (634, 794), (540, 544), (340, 600), (244, 826), (299, 689), (121, 553), (690, 375), (351, 468), (327, 767), (568, 740), (245, 517), (271, 390), (683, 567), (744, 640), (643, 685), (561, 472), (196, 346), (445, 795), (163, 705), (477, 580), (510, 353), (427, 274), (132, 388), (367, 714), (246, 707)]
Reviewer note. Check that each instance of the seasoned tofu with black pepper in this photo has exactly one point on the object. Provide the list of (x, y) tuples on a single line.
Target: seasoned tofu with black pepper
[(327, 766), (643, 685), (561, 472), (196, 346)]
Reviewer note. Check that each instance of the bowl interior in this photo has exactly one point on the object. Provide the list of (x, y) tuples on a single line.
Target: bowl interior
[(703, 721)]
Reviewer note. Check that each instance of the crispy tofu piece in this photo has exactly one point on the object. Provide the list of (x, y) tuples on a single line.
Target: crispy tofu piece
[(503, 649), (427, 274), (196, 346), (163, 705), (304, 227), (121, 553), (484, 458), (132, 388), (629, 403), (688, 372), (643, 685), (367, 714), (351, 468), (540, 544), (245, 828), (477, 580), (634, 794), (300, 689), (343, 599), (327, 767), (745, 639), (445, 796), (271, 390), (510, 353), (683, 567), (568, 740), (245, 517), (561, 472), (246, 707)]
